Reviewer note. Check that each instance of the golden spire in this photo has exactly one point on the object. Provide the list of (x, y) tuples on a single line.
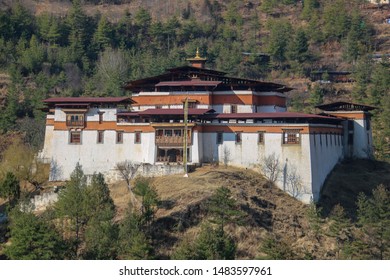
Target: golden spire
[(197, 61), (197, 53)]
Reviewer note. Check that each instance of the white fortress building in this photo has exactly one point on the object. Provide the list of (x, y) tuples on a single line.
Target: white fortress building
[(234, 121)]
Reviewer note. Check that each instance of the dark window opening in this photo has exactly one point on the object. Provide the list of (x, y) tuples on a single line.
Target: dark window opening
[(137, 139), (219, 137), (119, 136), (238, 138), (100, 137)]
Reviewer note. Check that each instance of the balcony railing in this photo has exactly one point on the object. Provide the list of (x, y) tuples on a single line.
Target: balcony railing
[(171, 140), (75, 123)]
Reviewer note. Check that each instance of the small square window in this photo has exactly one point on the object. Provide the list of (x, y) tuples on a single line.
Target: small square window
[(219, 137), (119, 137), (291, 136), (100, 137), (75, 137), (137, 138), (233, 109)]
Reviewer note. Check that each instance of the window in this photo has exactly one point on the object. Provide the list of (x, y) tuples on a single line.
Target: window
[(100, 137), (233, 109), (75, 119), (291, 136), (119, 137), (260, 139), (100, 117), (238, 138), (137, 139), (75, 137), (219, 137)]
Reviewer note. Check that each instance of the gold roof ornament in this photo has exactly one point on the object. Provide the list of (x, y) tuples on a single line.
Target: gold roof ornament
[(197, 57)]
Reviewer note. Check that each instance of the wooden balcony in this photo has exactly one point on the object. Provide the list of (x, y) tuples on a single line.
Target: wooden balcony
[(75, 123), (171, 140)]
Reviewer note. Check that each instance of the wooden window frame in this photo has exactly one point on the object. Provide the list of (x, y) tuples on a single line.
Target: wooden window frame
[(291, 137), (137, 137), (119, 137), (100, 137), (260, 137), (72, 138)]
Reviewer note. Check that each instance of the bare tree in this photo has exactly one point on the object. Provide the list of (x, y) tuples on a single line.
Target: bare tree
[(271, 167), (128, 169)]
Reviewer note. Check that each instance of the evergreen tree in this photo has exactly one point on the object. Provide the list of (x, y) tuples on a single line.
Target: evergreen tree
[(316, 96), (33, 238), (223, 208), (277, 249), (210, 244), (299, 48), (362, 75), (336, 19), (71, 208), (280, 34), (341, 229), (149, 200), (101, 236), (102, 36), (10, 188), (309, 7), (374, 220), (134, 243)]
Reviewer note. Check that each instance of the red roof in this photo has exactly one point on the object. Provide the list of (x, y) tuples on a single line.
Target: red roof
[(188, 83), (276, 115), (88, 100), (166, 112)]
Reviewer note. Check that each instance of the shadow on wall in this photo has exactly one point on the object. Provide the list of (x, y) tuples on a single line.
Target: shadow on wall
[(56, 172)]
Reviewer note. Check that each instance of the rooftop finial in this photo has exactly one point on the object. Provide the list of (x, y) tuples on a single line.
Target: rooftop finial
[(197, 61), (197, 53)]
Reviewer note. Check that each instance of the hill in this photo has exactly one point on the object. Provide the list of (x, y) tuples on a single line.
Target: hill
[(269, 211)]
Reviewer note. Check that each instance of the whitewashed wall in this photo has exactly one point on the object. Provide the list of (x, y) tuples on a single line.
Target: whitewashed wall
[(99, 157), (323, 158)]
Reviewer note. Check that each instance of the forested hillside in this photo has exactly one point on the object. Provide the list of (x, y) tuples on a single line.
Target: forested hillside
[(73, 48), (90, 48)]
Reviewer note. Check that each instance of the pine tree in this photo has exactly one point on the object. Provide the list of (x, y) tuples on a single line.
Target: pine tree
[(210, 244), (277, 249), (102, 36), (341, 229), (374, 220), (223, 208), (133, 242), (33, 238), (309, 7), (10, 188), (280, 35), (316, 96), (71, 207), (298, 50)]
